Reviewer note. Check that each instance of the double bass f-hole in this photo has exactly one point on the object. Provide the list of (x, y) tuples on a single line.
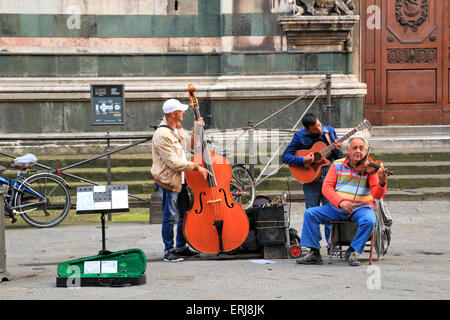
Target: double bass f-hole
[(226, 199), (201, 203)]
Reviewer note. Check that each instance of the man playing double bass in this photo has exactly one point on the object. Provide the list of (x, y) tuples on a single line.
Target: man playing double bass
[(169, 144)]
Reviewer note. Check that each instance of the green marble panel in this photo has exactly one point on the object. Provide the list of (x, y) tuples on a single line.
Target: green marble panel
[(177, 65), (154, 65), (67, 66), (109, 66), (132, 66), (40, 66), (9, 25)]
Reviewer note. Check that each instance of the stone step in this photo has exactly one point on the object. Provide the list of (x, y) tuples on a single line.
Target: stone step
[(419, 194), (407, 144), (395, 131), (395, 182), (146, 185), (409, 171), (145, 159), (399, 168), (419, 156), (382, 139)]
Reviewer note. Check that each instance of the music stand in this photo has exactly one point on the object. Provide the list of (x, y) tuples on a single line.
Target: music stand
[(102, 200)]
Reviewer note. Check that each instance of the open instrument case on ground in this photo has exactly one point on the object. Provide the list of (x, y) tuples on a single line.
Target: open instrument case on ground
[(120, 268)]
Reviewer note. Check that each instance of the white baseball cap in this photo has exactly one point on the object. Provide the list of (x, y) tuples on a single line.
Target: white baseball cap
[(172, 105)]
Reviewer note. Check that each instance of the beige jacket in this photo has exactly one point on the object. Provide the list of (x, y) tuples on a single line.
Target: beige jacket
[(167, 157)]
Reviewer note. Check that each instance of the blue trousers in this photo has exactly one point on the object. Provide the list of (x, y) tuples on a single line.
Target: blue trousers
[(364, 216), (314, 198), (170, 209)]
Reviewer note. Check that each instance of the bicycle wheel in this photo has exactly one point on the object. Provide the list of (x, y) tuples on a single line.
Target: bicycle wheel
[(242, 187), (43, 200)]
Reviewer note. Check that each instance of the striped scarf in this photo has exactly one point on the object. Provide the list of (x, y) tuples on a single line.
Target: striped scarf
[(347, 184)]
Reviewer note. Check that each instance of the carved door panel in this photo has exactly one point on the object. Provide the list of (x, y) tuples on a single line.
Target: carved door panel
[(408, 76)]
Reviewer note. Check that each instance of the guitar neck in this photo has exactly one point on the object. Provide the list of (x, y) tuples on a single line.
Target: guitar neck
[(326, 152), (346, 136)]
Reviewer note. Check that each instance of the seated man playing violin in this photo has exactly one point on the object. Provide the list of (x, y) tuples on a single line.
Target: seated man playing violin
[(350, 190)]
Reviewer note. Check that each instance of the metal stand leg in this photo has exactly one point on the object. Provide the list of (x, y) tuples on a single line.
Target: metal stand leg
[(103, 251), (4, 276)]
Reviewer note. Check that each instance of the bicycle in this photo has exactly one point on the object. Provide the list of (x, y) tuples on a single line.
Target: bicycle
[(242, 187), (42, 199)]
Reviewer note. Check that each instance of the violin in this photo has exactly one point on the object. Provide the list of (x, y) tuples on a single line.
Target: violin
[(369, 166), (215, 223)]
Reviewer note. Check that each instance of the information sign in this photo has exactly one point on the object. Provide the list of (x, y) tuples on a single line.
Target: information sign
[(108, 103)]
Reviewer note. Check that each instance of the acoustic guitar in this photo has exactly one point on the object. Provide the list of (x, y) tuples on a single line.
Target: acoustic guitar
[(321, 151)]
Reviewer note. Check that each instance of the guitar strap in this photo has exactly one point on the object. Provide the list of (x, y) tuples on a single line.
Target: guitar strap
[(328, 137)]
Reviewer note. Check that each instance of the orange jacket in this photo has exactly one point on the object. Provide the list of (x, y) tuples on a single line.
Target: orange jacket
[(340, 177)]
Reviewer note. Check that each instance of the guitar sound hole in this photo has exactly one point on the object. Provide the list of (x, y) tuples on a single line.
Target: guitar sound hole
[(317, 156)]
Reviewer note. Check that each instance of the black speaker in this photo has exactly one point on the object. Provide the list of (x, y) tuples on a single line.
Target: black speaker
[(251, 243), (270, 225)]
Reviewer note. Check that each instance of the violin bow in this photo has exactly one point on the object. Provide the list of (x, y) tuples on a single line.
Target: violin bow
[(360, 176)]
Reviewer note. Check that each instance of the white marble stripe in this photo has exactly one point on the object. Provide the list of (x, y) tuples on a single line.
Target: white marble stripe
[(135, 7), (98, 7), (132, 45)]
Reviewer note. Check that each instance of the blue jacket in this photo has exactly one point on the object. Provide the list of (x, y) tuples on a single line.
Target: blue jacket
[(304, 140)]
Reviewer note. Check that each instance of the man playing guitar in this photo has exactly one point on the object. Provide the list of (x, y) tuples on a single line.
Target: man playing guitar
[(304, 139)]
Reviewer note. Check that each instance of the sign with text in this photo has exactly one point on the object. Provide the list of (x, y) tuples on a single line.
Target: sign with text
[(108, 104)]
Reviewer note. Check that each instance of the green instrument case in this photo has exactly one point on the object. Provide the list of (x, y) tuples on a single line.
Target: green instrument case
[(120, 268)]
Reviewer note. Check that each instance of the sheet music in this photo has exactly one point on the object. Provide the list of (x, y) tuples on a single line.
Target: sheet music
[(105, 205), (119, 199), (99, 188), (85, 200)]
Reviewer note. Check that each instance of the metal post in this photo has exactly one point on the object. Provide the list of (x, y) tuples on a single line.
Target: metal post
[(4, 276), (104, 251), (108, 167), (329, 106), (251, 148)]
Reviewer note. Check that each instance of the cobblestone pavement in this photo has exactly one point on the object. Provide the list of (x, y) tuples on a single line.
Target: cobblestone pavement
[(416, 266)]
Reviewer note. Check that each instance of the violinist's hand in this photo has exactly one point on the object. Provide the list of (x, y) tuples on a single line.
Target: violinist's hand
[(347, 206), (337, 145), (308, 159), (382, 176), (204, 172)]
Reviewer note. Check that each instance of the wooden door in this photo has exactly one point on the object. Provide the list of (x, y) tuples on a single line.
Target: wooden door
[(405, 61)]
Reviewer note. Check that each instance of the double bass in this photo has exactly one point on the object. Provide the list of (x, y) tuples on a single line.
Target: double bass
[(215, 223)]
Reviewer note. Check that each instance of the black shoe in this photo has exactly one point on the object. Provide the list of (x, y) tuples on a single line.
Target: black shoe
[(310, 258), (187, 252), (352, 258), (172, 256)]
